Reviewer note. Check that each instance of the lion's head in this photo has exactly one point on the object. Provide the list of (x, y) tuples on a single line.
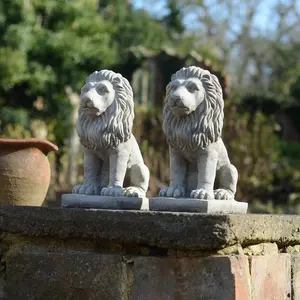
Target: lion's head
[(193, 111), (106, 110)]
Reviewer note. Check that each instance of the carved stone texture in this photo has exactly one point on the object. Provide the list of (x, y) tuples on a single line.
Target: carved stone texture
[(104, 125), (193, 120)]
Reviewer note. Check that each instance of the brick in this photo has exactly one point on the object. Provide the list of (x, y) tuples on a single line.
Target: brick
[(240, 269), (295, 261), (38, 274), (210, 278), (271, 277)]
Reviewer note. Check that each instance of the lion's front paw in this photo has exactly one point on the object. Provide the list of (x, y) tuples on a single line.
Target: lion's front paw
[(222, 194), (114, 191), (172, 191), (87, 189), (133, 191), (201, 194)]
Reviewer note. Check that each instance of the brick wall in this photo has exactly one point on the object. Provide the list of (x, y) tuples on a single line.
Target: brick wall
[(77, 254)]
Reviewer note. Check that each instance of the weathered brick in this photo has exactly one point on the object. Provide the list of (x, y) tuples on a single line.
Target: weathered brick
[(295, 261), (38, 274), (240, 269), (210, 278), (271, 277)]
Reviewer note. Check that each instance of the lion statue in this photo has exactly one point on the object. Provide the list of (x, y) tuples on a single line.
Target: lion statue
[(192, 123), (104, 125)]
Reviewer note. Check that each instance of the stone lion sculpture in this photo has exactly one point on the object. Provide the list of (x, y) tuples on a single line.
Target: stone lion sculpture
[(192, 123), (105, 118)]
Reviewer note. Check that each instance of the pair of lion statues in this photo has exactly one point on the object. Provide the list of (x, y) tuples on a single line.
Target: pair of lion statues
[(192, 123)]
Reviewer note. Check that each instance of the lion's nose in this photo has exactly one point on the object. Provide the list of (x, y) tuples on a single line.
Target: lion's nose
[(90, 103), (177, 100), (87, 102)]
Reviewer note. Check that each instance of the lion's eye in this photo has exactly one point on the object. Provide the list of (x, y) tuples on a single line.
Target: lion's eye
[(192, 88), (102, 89)]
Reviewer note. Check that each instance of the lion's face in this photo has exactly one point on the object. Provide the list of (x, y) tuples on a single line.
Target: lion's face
[(106, 110), (193, 110), (96, 97), (185, 95)]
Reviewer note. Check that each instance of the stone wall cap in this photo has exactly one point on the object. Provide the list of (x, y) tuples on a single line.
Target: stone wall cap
[(193, 231)]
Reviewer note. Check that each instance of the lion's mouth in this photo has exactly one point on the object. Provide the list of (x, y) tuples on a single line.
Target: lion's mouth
[(180, 110), (91, 110)]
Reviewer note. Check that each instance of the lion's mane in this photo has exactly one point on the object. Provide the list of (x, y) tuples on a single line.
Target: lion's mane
[(201, 127), (114, 126)]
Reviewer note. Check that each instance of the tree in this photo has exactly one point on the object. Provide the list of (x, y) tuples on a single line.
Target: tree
[(132, 27), (174, 19), (256, 41), (46, 46)]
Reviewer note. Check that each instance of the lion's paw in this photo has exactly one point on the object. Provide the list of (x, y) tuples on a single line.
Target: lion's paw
[(87, 189), (114, 191), (133, 191), (201, 194), (222, 194), (172, 191)]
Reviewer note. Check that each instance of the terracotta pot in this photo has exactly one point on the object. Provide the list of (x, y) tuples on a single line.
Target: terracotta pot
[(24, 171)]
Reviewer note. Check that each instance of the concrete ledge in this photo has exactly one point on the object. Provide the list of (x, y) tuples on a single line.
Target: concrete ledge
[(197, 205), (190, 231)]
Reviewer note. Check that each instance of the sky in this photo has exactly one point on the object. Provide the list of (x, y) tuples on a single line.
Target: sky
[(150, 5)]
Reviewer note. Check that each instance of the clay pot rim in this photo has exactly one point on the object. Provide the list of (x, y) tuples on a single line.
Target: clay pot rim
[(41, 144)]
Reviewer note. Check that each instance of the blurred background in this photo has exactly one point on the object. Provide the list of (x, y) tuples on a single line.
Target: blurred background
[(49, 47)]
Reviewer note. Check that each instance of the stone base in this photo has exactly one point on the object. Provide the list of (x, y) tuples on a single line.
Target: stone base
[(53, 253), (197, 205), (103, 202)]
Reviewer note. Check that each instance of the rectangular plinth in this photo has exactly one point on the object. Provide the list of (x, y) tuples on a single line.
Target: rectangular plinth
[(197, 205), (102, 202)]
